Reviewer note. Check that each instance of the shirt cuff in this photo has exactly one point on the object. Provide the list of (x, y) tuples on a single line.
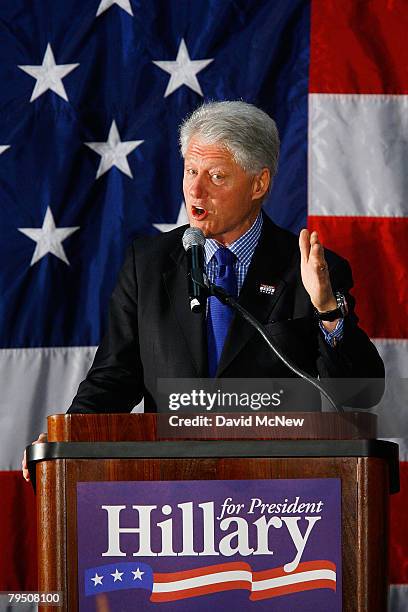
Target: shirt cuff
[(335, 336)]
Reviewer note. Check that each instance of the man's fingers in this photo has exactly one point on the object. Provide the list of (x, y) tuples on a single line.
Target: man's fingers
[(312, 252), (314, 238), (304, 244), (317, 252), (316, 248), (311, 249), (26, 475)]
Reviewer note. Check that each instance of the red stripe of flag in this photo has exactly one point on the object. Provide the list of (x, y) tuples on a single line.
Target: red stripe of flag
[(377, 249), (18, 534), (359, 47)]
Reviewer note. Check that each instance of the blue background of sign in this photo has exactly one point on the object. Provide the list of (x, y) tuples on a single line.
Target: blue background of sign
[(324, 541)]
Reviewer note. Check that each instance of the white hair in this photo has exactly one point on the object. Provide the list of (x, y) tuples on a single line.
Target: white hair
[(247, 132)]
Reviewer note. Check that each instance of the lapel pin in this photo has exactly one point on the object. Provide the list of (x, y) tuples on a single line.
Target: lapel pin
[(267, 289)]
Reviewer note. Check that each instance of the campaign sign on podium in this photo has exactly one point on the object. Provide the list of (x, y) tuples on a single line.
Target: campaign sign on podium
[(210, 544)]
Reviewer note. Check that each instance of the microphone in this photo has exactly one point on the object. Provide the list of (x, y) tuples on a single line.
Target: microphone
[(193, 243)]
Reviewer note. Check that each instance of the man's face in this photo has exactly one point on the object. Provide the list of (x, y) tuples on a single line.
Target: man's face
[(221, 198)]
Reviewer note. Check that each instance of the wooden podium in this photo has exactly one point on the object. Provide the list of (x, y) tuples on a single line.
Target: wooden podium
[(126, 447)]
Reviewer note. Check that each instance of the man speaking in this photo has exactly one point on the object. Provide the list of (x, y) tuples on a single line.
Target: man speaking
[(298, 291)]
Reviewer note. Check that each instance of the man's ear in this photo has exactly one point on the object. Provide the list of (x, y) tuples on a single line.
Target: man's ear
[(261, 184)]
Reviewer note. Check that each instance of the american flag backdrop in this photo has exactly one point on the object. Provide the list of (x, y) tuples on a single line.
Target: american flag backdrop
[(91, 95)]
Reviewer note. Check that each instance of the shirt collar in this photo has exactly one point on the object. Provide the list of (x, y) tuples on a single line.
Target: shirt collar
[(243, 247)]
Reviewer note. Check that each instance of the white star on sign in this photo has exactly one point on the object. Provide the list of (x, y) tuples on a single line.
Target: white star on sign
[(182, 219), (117, 575), (114, 152), (97, 579), (105, 4), (137, 574), (4, 148), (49, 75), (48, 238), (183, 70)]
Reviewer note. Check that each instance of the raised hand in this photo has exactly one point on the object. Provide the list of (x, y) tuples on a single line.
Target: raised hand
[(314, 270)]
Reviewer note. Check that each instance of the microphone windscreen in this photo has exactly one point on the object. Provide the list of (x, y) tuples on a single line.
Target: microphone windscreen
[(193, 236)]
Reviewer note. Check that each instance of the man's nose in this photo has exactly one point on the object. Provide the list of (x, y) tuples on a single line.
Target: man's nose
[(197, 187)]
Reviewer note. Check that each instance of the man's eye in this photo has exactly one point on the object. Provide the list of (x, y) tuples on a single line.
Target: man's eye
[(217, 177), (190, 171)]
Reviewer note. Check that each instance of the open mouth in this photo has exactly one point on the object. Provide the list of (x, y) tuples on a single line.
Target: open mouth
[(199, 212)]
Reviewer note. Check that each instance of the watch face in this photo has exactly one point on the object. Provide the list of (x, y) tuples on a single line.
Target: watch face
[(341, 303)]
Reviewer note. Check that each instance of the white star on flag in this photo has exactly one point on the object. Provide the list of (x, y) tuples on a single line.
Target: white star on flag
[(137, 574), (97, 579), (114, 152), (48, 238), (183, 70), (117, 575), (182, 219), (49, 75), (105, 4), (4, 148)]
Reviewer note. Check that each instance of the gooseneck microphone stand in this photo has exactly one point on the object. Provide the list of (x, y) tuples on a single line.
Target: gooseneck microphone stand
[(224, 297)]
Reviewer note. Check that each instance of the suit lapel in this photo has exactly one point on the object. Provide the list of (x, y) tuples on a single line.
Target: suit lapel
[(271, 258), (192, 325)]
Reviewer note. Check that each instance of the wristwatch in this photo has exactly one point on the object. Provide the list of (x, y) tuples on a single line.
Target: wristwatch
[(338, 313)]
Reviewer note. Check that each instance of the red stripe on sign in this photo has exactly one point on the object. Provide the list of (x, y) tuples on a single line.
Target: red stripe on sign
[(377, 249), (399, 531), (18, 535), (359, 47), (305, 566), (293, 588), (202, 571), (201, 590)]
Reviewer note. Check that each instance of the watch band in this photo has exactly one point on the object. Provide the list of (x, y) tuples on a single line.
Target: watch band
[(338, 313)]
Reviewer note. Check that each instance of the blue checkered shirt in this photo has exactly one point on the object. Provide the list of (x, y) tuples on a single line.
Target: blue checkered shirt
[(243, 248)]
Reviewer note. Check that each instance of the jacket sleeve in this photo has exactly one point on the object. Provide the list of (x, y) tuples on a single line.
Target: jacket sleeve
[(114, 382), (354, 359)]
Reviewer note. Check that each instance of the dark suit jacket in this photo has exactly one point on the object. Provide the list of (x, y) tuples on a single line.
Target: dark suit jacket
[(152, 333)]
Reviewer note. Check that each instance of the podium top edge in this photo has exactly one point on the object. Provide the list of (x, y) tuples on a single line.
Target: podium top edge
[(188, 449)]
